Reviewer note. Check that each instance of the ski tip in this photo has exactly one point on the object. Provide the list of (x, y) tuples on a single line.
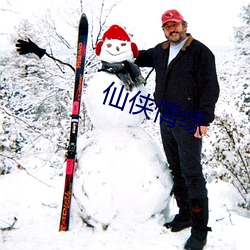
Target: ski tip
[(83, 20), (83, 16)]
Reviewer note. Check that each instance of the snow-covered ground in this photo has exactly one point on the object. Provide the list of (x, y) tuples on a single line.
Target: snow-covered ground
[(37, 208)]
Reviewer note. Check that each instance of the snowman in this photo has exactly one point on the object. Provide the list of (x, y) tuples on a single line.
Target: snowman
[(122, 178)]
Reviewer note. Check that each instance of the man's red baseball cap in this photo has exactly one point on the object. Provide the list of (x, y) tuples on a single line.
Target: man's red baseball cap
[(171, 16)]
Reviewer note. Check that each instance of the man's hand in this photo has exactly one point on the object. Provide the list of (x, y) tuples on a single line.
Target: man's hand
[(24, 47), (201, 131)]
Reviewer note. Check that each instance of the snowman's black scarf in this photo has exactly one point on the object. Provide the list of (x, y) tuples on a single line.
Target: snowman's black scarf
[(128, 72)]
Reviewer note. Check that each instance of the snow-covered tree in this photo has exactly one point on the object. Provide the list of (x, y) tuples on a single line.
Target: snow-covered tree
[(36, 95), (34, 104), (230, 154), (242, 33)]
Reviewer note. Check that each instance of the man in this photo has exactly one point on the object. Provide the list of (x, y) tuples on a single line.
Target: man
[(186, 91)]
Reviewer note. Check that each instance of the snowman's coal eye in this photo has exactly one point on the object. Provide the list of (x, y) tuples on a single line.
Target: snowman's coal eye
[(109, 45), (123, 44)]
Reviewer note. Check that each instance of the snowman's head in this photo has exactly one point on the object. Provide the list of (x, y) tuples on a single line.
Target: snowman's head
[(116, 46)]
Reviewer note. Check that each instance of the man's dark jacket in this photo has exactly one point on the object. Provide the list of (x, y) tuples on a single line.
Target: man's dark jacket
[(189, 81)]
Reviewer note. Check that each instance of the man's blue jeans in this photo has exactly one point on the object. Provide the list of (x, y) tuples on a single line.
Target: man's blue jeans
[(183, 153)]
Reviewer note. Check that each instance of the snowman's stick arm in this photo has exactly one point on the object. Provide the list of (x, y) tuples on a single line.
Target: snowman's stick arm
[(57, 60), (25, 47), (149, 73)]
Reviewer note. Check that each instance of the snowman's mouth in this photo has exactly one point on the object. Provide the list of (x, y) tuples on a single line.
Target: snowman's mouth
[(115, 54)]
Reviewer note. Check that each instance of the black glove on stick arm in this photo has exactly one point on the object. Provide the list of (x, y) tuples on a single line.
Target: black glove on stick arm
[(24, 47)]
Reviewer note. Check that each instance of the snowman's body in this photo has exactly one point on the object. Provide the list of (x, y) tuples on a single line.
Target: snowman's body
[(122, 177), (105, 115)]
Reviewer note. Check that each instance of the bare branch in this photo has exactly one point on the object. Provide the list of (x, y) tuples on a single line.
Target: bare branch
[(19, 166), (30, 127), (57, 60), (1, 9), (102, 21), (10, 227)]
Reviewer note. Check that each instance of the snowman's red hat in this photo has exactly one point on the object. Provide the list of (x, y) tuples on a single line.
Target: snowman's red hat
[(116, 32)]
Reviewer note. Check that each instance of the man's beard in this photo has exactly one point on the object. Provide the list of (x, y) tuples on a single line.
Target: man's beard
[(182, 36)]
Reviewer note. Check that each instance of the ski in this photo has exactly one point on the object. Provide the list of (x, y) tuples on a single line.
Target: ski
[(71, 152)]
